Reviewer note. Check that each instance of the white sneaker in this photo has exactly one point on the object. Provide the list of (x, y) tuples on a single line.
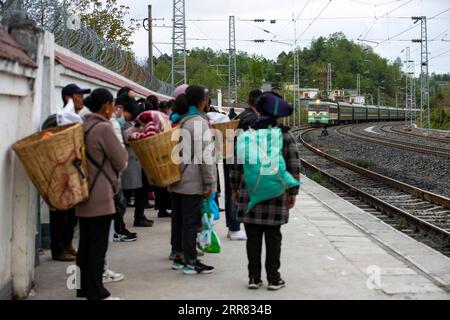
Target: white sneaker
[(237, 235), (111, 276)]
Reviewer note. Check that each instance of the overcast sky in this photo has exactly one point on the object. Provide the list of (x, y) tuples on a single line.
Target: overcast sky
[(373, 20)]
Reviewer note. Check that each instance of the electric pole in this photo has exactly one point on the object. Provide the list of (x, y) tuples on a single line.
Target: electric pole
[(232, 69), (358, 85), (150, 40), (424, 79), (329, 80), (179, 44)]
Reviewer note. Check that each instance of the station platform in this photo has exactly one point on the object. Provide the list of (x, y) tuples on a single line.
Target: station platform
[(331, 250)]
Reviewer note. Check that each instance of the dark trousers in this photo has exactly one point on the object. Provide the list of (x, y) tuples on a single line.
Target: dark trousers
[(62, 226), (121, 208), (230, 210), (94, 239), (273, 238), (186, 221), (140, 200), (162, 199)]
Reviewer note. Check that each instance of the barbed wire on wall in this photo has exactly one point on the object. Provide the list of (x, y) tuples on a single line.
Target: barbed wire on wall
[(79, 38)]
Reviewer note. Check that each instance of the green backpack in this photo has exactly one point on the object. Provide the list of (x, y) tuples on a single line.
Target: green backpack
[(265, 174)]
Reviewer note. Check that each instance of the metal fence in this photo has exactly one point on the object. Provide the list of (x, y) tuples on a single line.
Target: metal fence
[(70, 33)]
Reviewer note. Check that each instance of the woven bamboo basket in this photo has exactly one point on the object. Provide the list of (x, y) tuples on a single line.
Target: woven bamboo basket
[(155, 155), (228, 132), (56, 165)]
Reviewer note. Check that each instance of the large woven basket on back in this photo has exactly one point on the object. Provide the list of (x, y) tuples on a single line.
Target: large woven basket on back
[(155, 155), (56, 165), (228, 133)]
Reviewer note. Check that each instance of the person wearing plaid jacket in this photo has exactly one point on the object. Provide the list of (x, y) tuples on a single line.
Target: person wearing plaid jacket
[(266, 218)]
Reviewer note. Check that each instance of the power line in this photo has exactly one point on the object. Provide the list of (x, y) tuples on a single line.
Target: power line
[(299, 19), (295, 20), (384, 15), (375, 5), (410, 28), (439, 55), (314, 20)]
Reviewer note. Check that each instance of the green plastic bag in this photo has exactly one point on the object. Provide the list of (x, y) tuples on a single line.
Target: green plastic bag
[(265, 174), (208, 240)]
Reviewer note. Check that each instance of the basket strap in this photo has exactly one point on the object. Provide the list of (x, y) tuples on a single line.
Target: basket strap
[(97, 165)]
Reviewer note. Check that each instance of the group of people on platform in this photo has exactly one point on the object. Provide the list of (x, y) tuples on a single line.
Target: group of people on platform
[(117, 181)]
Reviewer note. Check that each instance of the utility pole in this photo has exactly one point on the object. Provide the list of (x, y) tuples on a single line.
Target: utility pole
[(413, 92), (179, 44), (150, 40), (358, 84), (424, 79), (408, 93), (379, 97), (296, 71), (329, 79), (232, 69)]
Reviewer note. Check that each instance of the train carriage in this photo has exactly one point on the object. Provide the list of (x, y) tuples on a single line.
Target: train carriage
[(393, 113), (359, 113), (373, 113), (345, 112), (384, 114)]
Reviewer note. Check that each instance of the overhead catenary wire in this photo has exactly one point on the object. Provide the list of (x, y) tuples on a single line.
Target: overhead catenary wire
[(384, 15), (295, 20), (314, 20), (439, 55), (410, 28)]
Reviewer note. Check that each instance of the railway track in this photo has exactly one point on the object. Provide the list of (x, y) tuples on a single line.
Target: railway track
[(349, 131), (420, 214), (390, 128)]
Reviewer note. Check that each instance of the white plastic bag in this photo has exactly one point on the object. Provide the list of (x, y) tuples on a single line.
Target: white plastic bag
[(216, 117), (67, 115)]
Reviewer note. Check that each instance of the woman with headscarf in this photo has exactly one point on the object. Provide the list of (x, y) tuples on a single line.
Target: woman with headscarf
[(266, 218)]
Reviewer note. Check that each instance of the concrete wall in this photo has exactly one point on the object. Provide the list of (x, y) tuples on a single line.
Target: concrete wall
[(16, 216), (27, 97)]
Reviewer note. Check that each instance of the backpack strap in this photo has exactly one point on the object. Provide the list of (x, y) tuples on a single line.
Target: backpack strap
[(96, 164)]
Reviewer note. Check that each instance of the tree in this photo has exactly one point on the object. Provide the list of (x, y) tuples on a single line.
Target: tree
[(107, 19)]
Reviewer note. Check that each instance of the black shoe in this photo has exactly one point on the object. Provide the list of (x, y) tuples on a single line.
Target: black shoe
[(197, 268), (274, 286), (124, 238), (255, 284), (164, 214), (221, 210), (143, 223), (128, 233)]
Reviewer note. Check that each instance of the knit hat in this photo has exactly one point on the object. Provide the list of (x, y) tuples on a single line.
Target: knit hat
[(274, 105)]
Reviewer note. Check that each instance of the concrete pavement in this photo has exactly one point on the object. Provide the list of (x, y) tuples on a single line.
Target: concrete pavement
[(325, 256)]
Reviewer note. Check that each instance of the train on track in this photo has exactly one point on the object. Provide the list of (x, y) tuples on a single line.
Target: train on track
[(326, 113)]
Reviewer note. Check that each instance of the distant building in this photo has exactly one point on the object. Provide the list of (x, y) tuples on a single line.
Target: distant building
[(308, 93), (267, 86), (349, 96), (337, 95), (357, 99)]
